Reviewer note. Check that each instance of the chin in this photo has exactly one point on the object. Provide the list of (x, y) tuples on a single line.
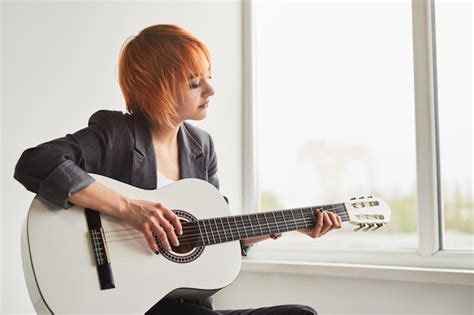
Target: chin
[(199, 116)]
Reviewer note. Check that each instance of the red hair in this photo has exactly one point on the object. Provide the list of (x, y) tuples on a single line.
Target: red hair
[(155, 69)]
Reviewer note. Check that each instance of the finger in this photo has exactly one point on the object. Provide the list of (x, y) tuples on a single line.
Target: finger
[(327, 225), (174, 220), (161, 234), (335, 221), (319, 224), (150, 239), (169, 229)]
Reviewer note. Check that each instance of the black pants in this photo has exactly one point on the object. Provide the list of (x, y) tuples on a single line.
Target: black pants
[(171, 307)]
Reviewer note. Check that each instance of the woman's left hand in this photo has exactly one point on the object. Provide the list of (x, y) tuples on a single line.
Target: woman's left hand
[(325, 222)]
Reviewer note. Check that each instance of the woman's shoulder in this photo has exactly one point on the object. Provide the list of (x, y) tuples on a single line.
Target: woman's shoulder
[(105, 116), (111, 119)]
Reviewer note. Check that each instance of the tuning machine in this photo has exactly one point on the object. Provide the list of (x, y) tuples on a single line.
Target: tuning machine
[(378, 226), (368, 226)]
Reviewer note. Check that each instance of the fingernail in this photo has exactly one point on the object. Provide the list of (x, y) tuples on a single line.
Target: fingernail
[(157, 252), (176, 243)]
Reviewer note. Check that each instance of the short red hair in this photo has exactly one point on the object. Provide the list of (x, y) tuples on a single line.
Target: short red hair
[(155, 69)]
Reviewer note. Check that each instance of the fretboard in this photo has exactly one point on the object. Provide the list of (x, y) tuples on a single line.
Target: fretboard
[(232, 228)]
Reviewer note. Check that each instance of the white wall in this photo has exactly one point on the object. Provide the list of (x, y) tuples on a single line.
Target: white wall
[(59, 65)]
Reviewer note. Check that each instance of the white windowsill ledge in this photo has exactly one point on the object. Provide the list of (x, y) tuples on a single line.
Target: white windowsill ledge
[(377, 272)]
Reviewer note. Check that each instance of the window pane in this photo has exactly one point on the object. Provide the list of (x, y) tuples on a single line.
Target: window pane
[(454, 60), (335, 105)]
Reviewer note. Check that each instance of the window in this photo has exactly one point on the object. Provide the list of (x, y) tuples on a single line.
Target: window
[(335, 103), (334, 92), (454, 65)]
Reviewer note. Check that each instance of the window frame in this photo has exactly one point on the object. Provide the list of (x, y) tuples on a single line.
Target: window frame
[(430, 252)]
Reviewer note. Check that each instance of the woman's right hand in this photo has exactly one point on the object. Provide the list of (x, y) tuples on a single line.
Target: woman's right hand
[(145, 216), (148, 217)]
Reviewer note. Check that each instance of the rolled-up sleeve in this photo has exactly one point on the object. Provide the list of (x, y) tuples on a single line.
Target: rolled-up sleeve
[(59, 168)]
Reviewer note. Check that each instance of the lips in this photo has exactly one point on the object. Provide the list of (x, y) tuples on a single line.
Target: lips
[(204, 105)]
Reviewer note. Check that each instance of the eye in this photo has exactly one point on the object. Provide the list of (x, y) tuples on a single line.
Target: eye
[(195, 83)]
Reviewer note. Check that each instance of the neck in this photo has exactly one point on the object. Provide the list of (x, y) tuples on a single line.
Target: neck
[(165, 136), (226, 229)]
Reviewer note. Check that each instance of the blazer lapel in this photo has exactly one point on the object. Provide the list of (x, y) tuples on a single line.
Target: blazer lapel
[(143, 172), (192, 163)]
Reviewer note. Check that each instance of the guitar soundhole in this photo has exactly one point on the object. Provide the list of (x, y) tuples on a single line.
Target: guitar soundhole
[(187, 251), (183, 249)]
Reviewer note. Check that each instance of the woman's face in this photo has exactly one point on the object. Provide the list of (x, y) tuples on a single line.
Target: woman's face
[(196, 100)]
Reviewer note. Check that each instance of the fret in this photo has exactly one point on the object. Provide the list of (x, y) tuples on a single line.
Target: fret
[(238, 229), (304, 220), (210, 230), (251, 226), (217, 230), (313, 215), (284, 221), (295, 221), (229, 228), (260, 231), (237, 235), (205, 232), (265, 223), (291, 220), (276, 222), (268, 224), (223, 229), (200, 233)]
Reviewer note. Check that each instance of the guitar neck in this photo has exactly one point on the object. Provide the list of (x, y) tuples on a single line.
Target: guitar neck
[(232, 228)]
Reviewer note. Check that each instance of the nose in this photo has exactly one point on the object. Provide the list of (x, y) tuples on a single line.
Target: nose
[(209, 90)]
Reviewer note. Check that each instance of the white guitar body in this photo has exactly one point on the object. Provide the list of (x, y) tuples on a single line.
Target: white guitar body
[(60, 267)]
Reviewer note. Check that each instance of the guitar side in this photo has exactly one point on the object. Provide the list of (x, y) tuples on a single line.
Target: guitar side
[(60, 269)]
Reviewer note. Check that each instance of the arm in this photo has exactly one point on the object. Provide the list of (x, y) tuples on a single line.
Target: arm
[(59, 168), (145, 216), (58, 171)]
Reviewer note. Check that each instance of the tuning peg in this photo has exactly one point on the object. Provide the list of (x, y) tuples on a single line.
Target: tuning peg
[(367, 227), (353, 198), (362, 197), (360, 226), (371, 196), (378, 226)]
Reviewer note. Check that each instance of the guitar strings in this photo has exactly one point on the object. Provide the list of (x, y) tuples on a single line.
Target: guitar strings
[(194, 226), (196, 238), (344, 216)]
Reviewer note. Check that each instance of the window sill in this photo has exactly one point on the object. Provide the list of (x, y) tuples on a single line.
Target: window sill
[(294, 248), (361, 271)]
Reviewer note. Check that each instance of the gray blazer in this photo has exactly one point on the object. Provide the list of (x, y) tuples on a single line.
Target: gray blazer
[(115, 145), (118, 146)]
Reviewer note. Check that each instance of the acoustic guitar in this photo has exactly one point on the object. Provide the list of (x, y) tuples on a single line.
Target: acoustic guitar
[(77, 261)]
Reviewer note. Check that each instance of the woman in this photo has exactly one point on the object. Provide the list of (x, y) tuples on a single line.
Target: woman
[(164, 75)]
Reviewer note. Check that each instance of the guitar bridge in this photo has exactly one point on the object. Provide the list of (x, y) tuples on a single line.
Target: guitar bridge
[(99, 246), (101, 252)]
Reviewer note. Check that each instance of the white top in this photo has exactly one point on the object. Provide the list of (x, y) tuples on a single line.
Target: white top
[(162, 180)]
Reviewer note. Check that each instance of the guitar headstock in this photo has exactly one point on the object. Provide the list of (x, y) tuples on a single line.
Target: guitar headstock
[(368, 213)]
